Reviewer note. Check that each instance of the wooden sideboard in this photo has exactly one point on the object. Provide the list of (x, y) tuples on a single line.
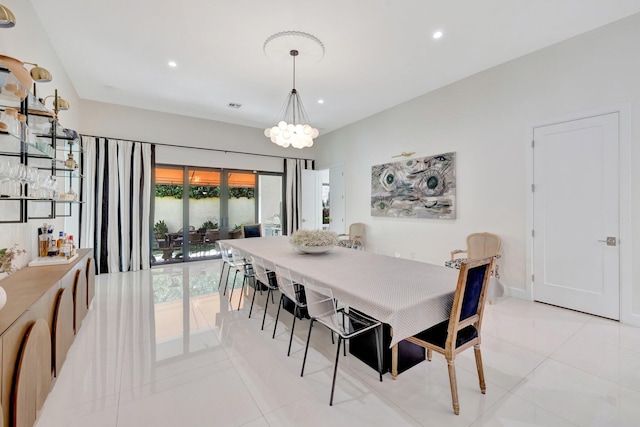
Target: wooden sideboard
[(44, 310)]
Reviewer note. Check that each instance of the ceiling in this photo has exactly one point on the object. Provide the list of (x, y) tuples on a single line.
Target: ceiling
[(378, 53)]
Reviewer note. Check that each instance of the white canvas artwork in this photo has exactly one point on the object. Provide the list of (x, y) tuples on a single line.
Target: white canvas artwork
[(415, 188)]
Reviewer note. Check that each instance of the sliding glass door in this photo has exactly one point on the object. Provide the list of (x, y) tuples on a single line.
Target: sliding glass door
[(204, 212), (168, 218), (270, 204), (241, 202), (194, 207)]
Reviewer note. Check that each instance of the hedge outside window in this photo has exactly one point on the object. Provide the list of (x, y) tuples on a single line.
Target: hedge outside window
[(202, 192)]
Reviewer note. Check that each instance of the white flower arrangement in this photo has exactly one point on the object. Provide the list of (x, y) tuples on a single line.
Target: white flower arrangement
[(314, 238), (7, 255)]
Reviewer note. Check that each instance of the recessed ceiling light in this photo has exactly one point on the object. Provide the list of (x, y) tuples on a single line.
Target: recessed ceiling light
[(320, 101), (437, 34), (172, 64)]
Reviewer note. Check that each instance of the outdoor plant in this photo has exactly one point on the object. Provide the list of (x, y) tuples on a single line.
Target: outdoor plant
[(202, 192), (208, 225), (314, 238), (7, 255), (160, 229)]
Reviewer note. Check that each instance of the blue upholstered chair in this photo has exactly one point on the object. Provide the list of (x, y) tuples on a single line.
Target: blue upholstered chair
[(252, 230), (462, 329)]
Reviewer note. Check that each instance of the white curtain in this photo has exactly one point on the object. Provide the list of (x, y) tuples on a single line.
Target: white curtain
[(293, 191), (115, 218)]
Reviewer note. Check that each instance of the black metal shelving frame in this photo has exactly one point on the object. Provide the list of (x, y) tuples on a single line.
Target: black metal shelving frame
[(25, 151)]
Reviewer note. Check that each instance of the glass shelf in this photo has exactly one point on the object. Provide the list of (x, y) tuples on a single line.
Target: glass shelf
[(68, 201), (33, 199), (40, 150), (59, 166), (69, 145), (60, 134), (10, 144), (13, 92), (11, 89)]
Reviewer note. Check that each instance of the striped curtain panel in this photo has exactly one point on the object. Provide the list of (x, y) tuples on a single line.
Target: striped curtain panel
[(293, 191), (115, 218)]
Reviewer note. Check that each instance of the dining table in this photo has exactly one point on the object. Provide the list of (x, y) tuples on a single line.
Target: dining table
[(408, 295)]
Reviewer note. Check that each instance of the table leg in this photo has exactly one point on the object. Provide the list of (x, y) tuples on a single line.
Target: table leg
[(394, 360)]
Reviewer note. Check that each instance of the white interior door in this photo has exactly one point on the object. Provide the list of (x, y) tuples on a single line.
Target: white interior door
[(337, 202), (311, 200), (576, 221)]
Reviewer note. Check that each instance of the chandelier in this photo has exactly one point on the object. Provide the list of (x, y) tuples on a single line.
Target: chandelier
[(294, 129)]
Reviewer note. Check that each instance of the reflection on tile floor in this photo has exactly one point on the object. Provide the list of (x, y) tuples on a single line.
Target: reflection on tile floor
[(164, 347)]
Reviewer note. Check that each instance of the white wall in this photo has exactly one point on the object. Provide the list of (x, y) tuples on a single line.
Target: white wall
[(117, 121), (28, 42), (168, 209), (486, 119)]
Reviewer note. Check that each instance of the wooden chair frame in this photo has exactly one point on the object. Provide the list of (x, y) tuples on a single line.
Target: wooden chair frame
[(354, 239), (472, 248), (455, 325)]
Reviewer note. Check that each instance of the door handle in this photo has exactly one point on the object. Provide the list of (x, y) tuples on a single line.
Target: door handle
[(611, 241)]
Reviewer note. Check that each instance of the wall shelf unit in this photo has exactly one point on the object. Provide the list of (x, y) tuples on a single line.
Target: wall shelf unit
[(36, 180)]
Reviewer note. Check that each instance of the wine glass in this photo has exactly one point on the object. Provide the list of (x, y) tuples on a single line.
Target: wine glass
[(14, 176), (22, 178), (54, 186), (5, 166), (32, 179), (46, 187)]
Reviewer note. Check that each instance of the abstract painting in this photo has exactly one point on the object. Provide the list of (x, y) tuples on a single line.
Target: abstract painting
[(415, 188)]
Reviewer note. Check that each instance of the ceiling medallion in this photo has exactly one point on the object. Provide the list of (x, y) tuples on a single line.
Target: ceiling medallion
[(278, 46)]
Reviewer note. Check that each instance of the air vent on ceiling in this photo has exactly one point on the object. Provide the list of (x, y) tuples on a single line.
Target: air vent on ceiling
[(234, 105)]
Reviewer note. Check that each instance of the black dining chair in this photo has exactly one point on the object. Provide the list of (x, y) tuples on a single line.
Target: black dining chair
[(323, 308), (462, 329)]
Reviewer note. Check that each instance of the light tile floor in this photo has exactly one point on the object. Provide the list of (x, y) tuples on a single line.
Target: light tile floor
[(165, 348)]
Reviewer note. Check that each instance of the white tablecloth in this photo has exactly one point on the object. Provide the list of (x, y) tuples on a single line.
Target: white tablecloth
[(408, 295)]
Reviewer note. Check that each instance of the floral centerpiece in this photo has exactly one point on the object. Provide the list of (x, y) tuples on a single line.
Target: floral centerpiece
[(7, 255), (314, 241)]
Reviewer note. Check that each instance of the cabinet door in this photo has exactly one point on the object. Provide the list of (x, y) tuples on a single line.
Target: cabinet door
[(33, 375), (62, 333)]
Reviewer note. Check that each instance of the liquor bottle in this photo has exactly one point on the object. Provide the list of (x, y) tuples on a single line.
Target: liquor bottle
[(65, 250), (73, 246), (59, 242), (53, 248)]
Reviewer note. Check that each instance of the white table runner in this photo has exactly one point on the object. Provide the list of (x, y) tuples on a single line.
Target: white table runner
[(408, 295)]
